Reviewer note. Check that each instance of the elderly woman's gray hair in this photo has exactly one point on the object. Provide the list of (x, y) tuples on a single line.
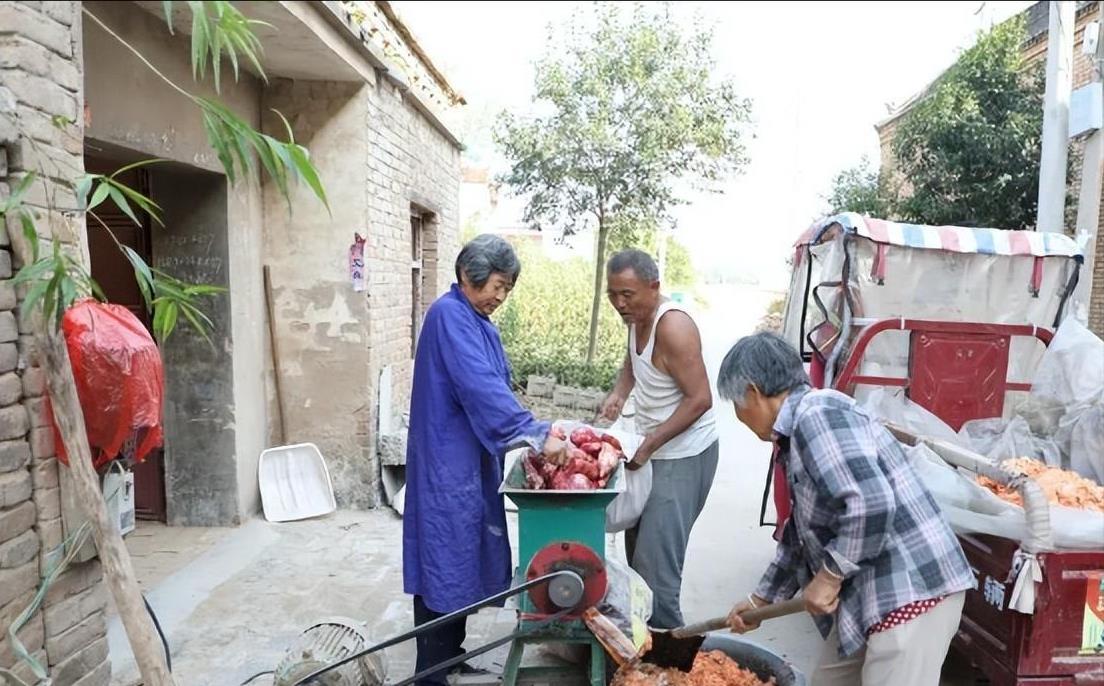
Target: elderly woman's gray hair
[(639, 261), (764, 359), (485, 255)]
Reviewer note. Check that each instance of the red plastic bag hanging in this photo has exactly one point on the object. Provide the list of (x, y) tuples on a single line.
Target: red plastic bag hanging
[(120, 381)]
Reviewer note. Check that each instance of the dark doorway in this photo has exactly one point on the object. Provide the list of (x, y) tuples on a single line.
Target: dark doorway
[(114, 273)]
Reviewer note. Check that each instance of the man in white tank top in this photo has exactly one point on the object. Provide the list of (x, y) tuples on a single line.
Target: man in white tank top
[(665, 372)]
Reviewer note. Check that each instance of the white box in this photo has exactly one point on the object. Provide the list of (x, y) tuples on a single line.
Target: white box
[(1086, 109), (118, 490)]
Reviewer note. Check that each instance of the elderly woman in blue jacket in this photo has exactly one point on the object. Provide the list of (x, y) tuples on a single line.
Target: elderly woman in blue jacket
[(464, 417)]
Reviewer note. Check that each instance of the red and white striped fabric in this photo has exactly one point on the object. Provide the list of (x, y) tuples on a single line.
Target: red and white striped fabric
[(948, 238)]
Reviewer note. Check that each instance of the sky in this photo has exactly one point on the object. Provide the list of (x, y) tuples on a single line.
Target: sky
[(819, 74)]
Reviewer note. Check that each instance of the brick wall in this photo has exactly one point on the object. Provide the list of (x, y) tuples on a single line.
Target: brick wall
[(40, 80), (410, 163), (381, 159)]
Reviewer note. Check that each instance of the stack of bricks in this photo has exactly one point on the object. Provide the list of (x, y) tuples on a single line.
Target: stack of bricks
[(40, 101)]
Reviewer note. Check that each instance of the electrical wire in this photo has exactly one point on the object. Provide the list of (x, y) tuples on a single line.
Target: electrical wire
[(254, 677), (160, 632)]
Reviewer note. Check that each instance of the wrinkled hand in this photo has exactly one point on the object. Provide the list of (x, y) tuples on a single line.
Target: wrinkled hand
[(555, 450), (736, 623), (611, 407), (822, 594)]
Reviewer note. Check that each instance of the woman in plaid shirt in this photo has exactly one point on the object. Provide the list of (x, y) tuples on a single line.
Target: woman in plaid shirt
[(880, 570)]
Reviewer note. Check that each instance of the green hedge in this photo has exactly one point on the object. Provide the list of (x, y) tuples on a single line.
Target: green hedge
[(544, 324)]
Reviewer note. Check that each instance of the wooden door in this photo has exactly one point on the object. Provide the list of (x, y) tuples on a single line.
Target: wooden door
[(114, 273)]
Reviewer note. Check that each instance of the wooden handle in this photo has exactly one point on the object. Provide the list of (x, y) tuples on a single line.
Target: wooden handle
[(753, 616)]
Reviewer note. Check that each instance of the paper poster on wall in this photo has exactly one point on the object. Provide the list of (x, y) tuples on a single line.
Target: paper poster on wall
[(356, 263), (1092, 628)]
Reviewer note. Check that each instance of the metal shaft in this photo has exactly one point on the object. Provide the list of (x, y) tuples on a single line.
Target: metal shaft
[(440, 621)]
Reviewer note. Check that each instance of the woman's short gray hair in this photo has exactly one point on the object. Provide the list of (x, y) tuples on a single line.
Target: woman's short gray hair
[(764, 359), (485, 255)]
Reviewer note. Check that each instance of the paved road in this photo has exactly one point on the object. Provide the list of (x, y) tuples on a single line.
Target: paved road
[(728, 550)]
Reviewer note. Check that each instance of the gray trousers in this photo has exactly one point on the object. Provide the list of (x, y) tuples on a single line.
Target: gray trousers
[(656, 546)]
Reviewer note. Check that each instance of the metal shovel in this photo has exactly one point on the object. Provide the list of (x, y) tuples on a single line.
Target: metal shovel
[(679, 647)]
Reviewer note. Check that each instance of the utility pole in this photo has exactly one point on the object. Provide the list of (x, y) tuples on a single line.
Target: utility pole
[(1092, 183), (1052, 173)]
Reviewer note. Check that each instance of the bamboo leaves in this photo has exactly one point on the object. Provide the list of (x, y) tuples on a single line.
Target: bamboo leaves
[(218, 27), (236, 142)]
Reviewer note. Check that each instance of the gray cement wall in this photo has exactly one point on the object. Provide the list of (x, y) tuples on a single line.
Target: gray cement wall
[(130, 106), (322, 324), (201, 477), (134, 113), (378, 157)]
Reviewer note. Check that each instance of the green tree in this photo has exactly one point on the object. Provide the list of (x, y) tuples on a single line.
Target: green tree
[(861, 189), (679, 268), (970, 150), (627, 106)]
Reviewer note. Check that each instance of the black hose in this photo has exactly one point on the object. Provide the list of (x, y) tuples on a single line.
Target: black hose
[(252, 678), (160, 632)]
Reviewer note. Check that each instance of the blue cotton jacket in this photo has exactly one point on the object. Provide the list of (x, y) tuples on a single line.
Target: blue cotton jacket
[(464, 417)]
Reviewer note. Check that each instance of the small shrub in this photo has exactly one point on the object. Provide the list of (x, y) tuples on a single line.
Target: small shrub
[(544, 324)]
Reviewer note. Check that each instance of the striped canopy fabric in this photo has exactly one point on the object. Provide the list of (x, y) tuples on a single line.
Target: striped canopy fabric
[(947, 238)]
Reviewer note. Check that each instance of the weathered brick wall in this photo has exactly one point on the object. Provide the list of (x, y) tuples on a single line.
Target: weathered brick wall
[(411, 163), (40, 130), (379, 157)]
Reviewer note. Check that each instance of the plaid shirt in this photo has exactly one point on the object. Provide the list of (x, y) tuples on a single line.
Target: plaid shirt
[(860, 509)]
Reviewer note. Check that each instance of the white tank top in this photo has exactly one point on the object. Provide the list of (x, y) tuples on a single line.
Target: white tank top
[(657, 396)]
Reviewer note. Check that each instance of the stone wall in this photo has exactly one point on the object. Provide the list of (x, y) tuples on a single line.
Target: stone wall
[(41, 100)]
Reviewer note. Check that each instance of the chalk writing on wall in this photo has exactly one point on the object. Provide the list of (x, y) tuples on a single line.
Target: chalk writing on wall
[(199, 268)]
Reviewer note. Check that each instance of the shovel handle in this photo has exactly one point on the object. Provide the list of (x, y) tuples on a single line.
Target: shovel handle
[(753, 616)]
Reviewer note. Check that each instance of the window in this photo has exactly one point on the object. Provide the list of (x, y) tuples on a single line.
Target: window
[(417, 222)]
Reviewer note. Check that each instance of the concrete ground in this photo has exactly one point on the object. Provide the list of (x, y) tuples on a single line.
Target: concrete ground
[(232, 601)]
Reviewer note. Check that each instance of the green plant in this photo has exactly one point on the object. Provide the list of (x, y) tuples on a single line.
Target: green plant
[(864, 190), (217, 27), (970, 150), (629, 108), (540, 325)]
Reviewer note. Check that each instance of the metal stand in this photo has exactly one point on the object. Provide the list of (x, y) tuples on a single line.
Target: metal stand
[(573, 633)]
